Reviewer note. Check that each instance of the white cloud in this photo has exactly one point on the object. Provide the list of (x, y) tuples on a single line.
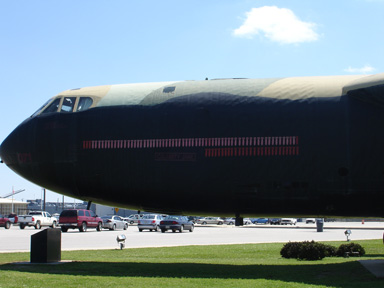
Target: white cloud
[(277, 24), (364, 70)]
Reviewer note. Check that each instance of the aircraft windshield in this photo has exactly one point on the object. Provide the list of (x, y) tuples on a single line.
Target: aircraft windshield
[(41, 108), (84, 103), (68, 105), (53, 106)]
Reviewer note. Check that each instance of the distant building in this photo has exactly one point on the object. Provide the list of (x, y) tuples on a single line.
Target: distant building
[(54, 207), (21, 208), (8, 206)]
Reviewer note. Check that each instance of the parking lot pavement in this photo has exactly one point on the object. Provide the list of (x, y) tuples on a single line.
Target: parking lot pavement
[(15, 239)]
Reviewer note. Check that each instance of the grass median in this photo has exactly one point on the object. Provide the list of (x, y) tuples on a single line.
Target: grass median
[(246, 265)]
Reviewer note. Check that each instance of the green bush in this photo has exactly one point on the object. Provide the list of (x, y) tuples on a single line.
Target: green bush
[(307, 250), (290, 250), (330, 251), (311, 251), (349, 248)]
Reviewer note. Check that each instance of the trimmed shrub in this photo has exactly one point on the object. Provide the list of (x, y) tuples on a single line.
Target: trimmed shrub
[(290, 250), (330, 251), (307, 250), (350, 248), (311, 251)]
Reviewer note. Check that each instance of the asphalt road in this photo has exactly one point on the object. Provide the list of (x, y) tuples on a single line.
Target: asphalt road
[(17, 240)]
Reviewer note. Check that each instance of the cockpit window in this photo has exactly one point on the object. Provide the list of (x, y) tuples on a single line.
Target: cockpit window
[(84, 103), (41, 108), (53, 106), (68, 104)]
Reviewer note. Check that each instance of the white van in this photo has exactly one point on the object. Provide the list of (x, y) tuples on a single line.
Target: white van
[(288, 221)]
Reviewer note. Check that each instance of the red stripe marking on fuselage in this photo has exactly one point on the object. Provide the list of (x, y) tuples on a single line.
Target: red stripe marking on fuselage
[(213, 147)]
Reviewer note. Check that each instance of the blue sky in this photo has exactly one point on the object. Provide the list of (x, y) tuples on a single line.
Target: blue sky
[(50, 46)]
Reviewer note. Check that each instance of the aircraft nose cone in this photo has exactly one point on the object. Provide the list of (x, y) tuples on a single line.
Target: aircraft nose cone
[(7, 154), (2, 153), (29, 152), (14, 150)]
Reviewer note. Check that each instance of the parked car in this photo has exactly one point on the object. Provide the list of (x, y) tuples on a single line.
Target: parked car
[(310, 220), (288, 221), (229, 221), (37, 219), (176, 223), (193, 219), (210, 220), (5, 222), (79, 219), (133, 218), (247, 221), (275, 221), (232, 221), (113, 222), (150, 222), (261, 221)]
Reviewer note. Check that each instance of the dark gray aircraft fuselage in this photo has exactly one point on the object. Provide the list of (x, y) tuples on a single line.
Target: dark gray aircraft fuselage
[(214, 153)]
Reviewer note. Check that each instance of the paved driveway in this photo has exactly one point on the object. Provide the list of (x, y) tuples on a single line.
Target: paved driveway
[(15, 239)]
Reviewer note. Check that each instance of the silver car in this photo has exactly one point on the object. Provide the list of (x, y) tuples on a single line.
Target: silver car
[(114, 222), (210, 220), (150, 222), (133, 218), (232, 221)]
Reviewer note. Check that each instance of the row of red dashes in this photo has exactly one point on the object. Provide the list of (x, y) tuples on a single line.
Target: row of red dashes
[(192, 142), (252, 151)]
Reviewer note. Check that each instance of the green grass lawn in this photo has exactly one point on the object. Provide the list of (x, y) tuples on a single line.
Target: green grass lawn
[(248, 265)]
